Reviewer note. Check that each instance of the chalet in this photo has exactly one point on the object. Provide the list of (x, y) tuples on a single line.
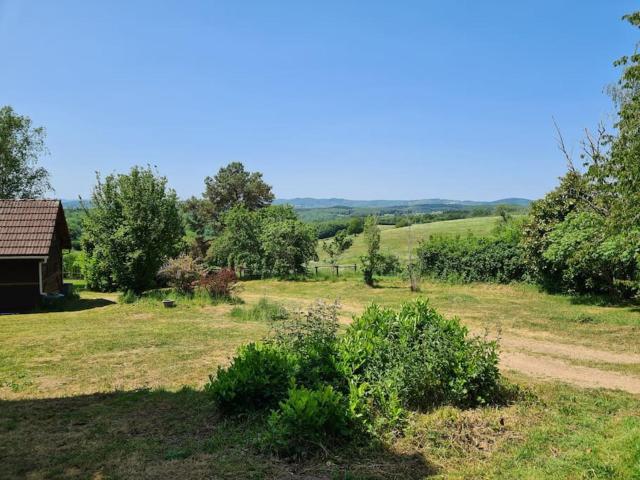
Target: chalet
[(33, 234)]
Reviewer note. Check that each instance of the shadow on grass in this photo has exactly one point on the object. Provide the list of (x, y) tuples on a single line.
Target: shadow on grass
[(604, 301), (76, 305), (160, 434)]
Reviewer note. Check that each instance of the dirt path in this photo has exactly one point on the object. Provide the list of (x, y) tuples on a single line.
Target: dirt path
[(552, 360), (556, 369)]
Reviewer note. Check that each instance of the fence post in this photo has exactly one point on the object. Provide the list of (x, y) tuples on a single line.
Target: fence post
[(337, 270), (316, 270)]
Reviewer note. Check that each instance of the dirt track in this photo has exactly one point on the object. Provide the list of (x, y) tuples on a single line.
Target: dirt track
[(554, 360)]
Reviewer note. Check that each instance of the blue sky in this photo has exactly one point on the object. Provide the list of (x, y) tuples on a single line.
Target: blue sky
[(355, 99)]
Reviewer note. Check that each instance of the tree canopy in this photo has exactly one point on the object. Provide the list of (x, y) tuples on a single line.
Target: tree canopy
[(21, 145), (233, 186), (133, 226)]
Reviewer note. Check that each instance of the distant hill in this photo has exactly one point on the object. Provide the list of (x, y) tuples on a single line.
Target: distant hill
[(343, 202)]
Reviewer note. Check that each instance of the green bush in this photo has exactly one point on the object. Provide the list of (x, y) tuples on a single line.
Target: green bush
[(258, 378), (312, 338), (309, 419), (328, 388), (355, 226), (471, 259), (388, 264), (589, 260), (418, 358)]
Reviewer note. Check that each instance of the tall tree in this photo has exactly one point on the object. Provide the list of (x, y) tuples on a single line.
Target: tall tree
[(234, 186), (371, 260), (134, 225), (21, 145)]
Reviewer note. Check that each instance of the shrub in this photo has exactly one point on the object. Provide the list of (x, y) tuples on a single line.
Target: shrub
[(181, 273), (589, 259), (311, 337), (309, 419), (258, 378), (418, 358), (471, 259), (355, 226), (388, 264), (220, 284)]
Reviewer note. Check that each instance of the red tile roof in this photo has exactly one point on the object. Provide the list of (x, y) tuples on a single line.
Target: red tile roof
[(27, 227)]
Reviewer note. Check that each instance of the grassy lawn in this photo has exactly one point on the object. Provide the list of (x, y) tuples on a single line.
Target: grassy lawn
[(396, 240), (97, 391)]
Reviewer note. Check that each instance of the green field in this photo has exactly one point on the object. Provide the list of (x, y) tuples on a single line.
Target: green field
[(98, 391), (397, 240)]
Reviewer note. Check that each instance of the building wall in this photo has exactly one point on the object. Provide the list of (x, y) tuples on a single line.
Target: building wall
[(19, 284), (52, 270)]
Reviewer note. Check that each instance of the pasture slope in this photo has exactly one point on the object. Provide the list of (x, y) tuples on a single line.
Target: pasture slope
[(397, 240)]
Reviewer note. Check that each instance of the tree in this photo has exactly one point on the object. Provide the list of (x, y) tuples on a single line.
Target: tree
[(337, 246), (233, 185), (269, 241), (372, 258), (288, 246), (546, 214), (239, 244), (133, 227), (356, 226), (21, 145)]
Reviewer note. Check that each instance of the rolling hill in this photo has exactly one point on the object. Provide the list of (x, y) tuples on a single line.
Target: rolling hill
[(396, 240)]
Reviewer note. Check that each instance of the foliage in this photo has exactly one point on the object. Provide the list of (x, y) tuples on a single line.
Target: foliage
[(388, 264), (21, 145), (334, 248), (471, 259), (72, 264), (326, 386), (311, 336), (239, 245), (181, 273), (416, 358), (132, 228), (259, 377), (545, 215), (328, 229), (585, 235), (371, 259), (233, 186), (288, 246), (267, 242), (355, 226), (74, 217), (220, 284), (309, 419), (589, 260)]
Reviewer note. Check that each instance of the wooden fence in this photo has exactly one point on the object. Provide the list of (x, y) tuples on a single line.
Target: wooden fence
[(336, 268)]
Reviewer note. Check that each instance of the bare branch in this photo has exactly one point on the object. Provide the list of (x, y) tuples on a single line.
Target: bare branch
[(563, 147)]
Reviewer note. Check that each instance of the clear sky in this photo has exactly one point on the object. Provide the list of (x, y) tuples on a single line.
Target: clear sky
[(357, 99)]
